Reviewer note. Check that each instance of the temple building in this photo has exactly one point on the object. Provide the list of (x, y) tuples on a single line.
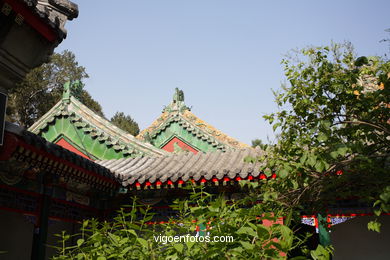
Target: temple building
[(77, 128), (177, 129), (41, 24), (45, 189), (73, 164)]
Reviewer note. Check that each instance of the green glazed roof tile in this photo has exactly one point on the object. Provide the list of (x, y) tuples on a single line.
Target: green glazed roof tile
[(191, 129), (95, 127)]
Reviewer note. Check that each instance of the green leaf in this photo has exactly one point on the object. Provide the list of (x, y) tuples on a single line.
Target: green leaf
[(80, 242), (303, 158), (342, 150), (385, 196), (190, 244), (132, 232), (268, 172), (322, 137), (320, 253), (334, 154), (127, 249), (247, 230), (326, 124), (179, 247), (85, 223), (374, 226), (275, 126), (283, 173), (319, 166), (247, 245), (287, 235), (312, 159), (143, 242), (262, 231)]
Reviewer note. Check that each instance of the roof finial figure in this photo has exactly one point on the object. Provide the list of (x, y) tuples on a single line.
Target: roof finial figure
[(66, 92), (177, 103), (178, 96), (71, 88)]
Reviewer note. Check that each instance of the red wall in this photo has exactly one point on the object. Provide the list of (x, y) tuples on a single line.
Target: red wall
[(62, 142), (170, 146)]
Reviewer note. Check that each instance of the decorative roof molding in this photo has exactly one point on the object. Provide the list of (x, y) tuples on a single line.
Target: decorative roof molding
[(41, 24), (177, 104), (56, 12), (38, 152), (178, 112), (93, 125)]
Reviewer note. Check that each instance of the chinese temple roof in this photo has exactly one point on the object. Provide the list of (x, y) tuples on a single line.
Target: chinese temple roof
[(177, 121), (54, 12), (213, 166), (22, 146), (41, 24), (95, 137)]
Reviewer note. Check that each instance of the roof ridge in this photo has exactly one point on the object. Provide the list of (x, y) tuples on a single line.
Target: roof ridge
[(116, 131), (232, 142), (45, 119), (167, 118), (177, 111), (97, 126)]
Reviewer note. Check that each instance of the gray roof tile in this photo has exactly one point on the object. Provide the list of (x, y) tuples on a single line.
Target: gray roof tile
[(185, 166)]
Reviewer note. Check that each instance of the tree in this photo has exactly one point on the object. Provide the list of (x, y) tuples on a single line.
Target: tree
[(258, 142), (45, 83), (334, 130), (125, 123), (334, 136), (129, 236)]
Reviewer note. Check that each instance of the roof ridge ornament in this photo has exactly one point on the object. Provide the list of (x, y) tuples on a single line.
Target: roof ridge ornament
[(177, 104), (70, 87)]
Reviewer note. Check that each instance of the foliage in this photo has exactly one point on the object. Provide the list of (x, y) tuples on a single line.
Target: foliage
[(45, 83), (258, 142), (334, 129), (334, 136), (130, 237), (125, 123)]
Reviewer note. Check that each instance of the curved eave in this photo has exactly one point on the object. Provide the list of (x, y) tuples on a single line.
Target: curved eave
[(212, 167), (26, 146), (98, 127)]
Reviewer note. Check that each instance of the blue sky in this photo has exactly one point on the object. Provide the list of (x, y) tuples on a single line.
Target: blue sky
[(224, 54)]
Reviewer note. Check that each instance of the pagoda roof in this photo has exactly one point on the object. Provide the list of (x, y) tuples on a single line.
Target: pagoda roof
[(178, 112), (26, 147), (53, 13), (41, 24), (212, 166), (98, 128)]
